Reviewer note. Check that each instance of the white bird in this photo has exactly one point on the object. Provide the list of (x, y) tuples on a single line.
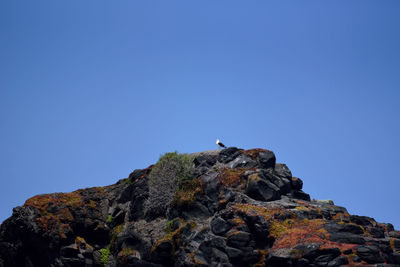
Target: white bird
[(220, 144)]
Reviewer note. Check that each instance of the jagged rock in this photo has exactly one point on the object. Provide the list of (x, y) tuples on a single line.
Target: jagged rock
[(205, 160), (163, 253), (314, 253), (242, 162), (340, 261), (299, 194), (394, 258), (219, 226), (347, 228), (370, 254), (267, 159), (242, 209), (228, 154), (233, 253), (394, 234), (362, 220), (260, 189), (297, 183), (238, 239), (283, 171), (396, 243), (69, 251), (377, 232), (277, 261), (347, 238)]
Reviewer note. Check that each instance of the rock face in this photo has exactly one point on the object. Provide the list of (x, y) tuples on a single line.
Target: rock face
[(246, 210)]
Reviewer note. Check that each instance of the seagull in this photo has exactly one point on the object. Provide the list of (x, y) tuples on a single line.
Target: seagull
[(221, 145)]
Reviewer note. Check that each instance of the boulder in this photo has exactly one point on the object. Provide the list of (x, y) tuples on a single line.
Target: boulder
[(228, 154), (297, 183), (162, 253), (299, 194), (340, 261), (243, 161), (260, 189), (233, 253), (347, 238), (205, 160), (238, 239), (362, 220), (283, 184), (266, 159), (278, 261), (377, 232), (323, 255), (283, 171), (370, 254), (219, 226)]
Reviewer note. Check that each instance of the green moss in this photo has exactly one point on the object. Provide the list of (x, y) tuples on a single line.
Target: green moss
[(109, 219), (105, 254)]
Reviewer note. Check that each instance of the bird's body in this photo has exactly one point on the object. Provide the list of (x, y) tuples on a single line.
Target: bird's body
[(220, 144)]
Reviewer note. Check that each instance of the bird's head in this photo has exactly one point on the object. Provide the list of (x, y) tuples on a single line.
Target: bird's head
[(217, 141)]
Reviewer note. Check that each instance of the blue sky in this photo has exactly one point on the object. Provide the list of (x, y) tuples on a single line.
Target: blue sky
[(90, 90)]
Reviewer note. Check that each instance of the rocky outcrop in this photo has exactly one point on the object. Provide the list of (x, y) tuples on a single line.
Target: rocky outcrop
[(243, 209)]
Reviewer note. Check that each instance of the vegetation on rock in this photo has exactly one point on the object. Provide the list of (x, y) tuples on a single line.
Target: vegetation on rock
[(171, 173), (229, 207)]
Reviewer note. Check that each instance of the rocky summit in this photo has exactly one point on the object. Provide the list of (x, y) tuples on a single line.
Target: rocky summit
[(229, 207)]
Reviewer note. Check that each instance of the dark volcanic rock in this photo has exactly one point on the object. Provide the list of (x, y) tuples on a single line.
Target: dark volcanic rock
[(267, 159), (347, 238), (219, 226), (370, 254), (260, 189), (283, 171), (228, 154), (297, 183), (238, 239), (243, 162), (299, 194), (234, 207)]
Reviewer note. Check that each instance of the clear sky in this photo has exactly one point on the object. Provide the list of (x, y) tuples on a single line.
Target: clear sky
[(91, 90)]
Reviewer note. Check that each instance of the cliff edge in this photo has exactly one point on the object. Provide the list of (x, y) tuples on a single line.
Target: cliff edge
[(229, 207)]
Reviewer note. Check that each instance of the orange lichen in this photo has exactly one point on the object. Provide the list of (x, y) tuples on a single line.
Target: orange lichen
[(253, 153), (174, 237), (79, 240), (302, 203), (186, 195), (250, 209), (291, 231), (341, 217), (302, 208), (125, 253), (391, 242), (55, 210), (237, 221), (44, 202), (230, 177), (263, 256), (300, 232), (195, 260)]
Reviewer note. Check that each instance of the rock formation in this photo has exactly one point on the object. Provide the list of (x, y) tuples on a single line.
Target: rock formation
[(244, 210)]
